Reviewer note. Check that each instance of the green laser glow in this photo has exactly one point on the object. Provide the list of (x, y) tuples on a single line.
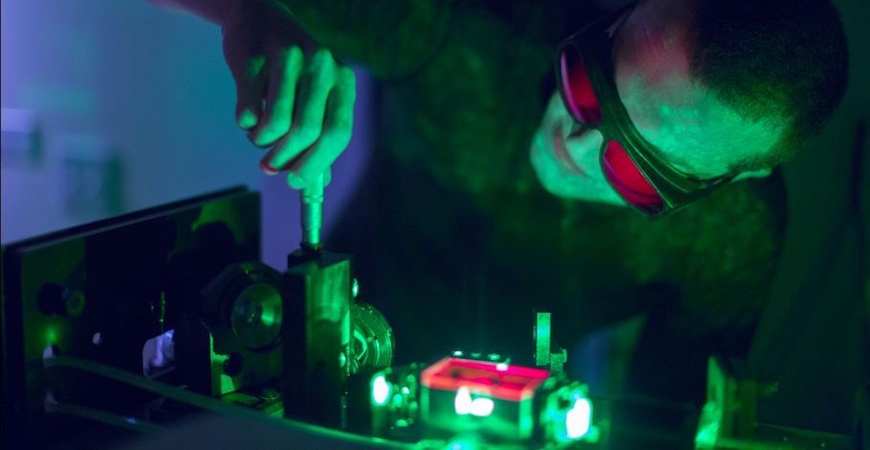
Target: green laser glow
[(268, 317), (465, 405), (380, 390), (567, 415), (578, 419), (463, 443), (51, 336), (462, 402), (482, 407)]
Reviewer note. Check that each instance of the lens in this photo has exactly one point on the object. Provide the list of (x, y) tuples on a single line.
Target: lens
[(629, 181), (256, 316), (577, 88)]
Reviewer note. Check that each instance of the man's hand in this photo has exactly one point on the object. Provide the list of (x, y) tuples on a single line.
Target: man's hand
[(293, 96)]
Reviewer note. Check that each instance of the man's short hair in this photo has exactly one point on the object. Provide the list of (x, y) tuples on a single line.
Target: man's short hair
[(770, 59)]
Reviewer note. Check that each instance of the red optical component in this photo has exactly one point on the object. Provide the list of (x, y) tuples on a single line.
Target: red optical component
[(492, 399), (499, 381), (577, 88), (628, 180)]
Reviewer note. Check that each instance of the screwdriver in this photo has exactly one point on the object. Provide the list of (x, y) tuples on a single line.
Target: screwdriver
[(312, 213)]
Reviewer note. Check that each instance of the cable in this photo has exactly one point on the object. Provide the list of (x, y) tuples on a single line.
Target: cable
[(130, 423), (162, 389), (196, 400)]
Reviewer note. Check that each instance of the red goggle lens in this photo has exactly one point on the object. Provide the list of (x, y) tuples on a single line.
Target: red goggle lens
[(629, 181), (577, 88)]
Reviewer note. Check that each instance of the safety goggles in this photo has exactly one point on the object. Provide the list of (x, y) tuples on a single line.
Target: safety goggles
[(585, 73)]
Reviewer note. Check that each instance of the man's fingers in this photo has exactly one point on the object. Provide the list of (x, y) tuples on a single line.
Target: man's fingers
[(277, 116), (337, 131), (297, 182), (249, 93), (315, 86)]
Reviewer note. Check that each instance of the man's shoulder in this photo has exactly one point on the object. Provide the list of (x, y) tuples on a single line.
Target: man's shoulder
[(753, 204), (739, 227), (754, 209)]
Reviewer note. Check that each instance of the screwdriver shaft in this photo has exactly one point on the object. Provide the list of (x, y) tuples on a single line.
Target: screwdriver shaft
[(312, 213)]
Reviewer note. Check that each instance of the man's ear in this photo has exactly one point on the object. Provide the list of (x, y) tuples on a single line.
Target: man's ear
[(760, 173)]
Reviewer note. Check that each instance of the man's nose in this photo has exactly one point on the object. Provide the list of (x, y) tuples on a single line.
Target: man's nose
[(584, 141)]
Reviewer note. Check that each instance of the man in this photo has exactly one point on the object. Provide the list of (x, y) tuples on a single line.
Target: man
[(652, 140)]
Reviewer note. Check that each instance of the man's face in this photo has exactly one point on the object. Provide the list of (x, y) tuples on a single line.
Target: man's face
[(693, 131)]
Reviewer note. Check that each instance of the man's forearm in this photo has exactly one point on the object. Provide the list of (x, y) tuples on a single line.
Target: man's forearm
[(212, 10)]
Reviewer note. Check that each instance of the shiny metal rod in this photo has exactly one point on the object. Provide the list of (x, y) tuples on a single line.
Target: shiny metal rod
[(312, 213)]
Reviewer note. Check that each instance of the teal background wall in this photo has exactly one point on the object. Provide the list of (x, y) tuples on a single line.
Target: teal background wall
[(148, 87)]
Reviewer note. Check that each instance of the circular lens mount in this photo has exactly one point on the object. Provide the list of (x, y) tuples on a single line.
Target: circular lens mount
[(247, 299)]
